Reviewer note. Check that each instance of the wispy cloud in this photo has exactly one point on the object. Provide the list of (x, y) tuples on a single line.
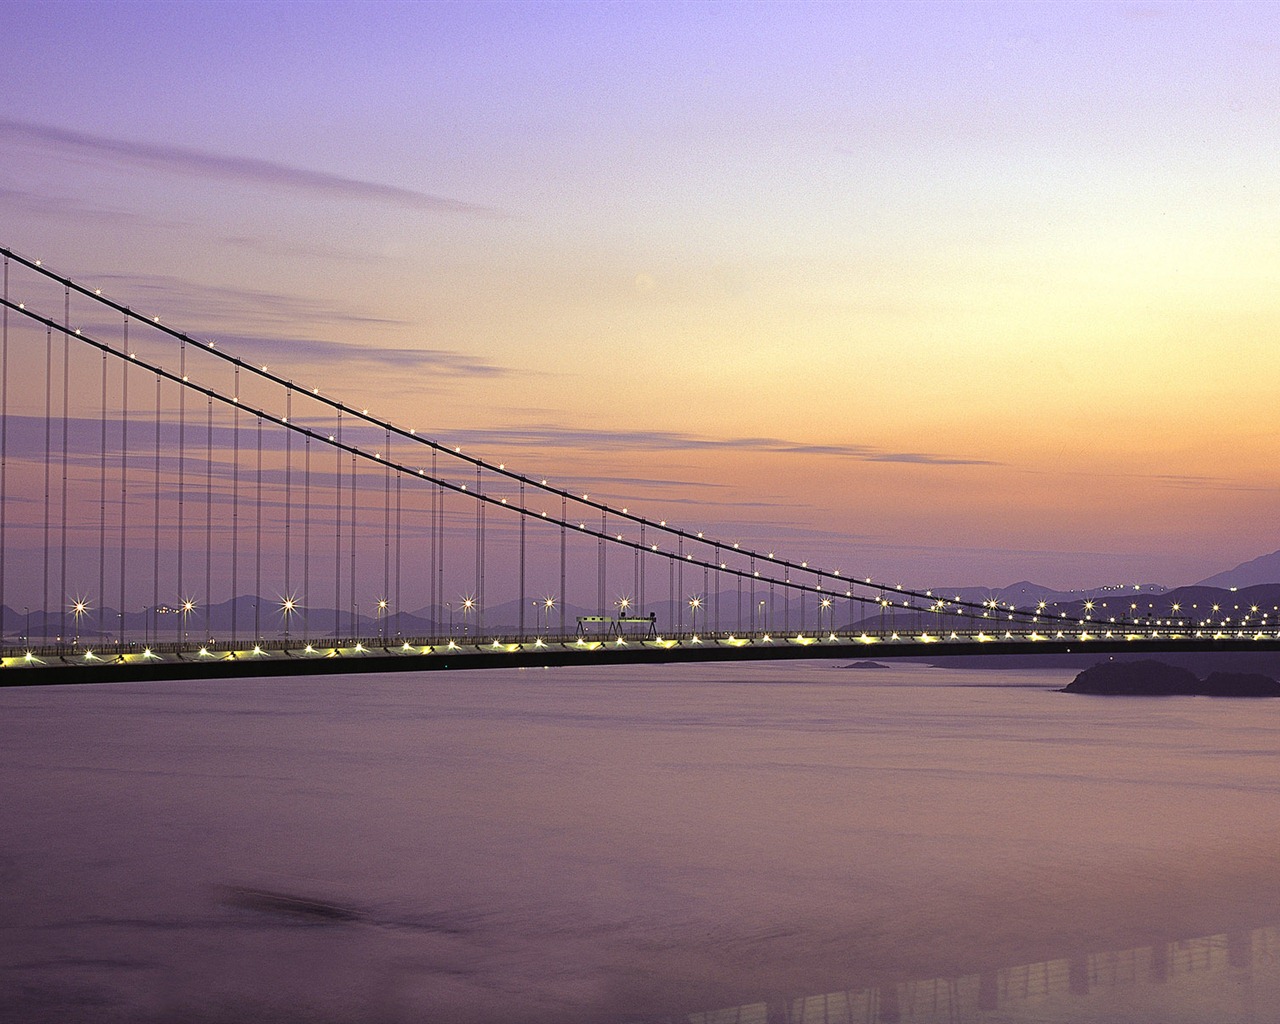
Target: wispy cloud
[(217, 304), (660, 440), (242, 322), (1184, 481), (239, 169), (1208, 483), (43, 205), (312, 352)]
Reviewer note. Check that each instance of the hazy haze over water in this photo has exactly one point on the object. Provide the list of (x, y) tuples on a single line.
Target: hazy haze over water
[(637, 845)]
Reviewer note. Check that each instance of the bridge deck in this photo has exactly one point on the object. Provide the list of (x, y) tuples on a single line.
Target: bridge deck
[(65, 664)]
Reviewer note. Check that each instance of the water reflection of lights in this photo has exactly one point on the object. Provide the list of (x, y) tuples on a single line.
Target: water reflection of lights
[(1231, 975)]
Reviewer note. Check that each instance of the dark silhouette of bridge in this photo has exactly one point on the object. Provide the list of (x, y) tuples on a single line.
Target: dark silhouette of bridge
[(170, 510)]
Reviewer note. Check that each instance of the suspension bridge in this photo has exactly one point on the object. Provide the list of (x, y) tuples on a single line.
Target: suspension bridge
[(171, 510)]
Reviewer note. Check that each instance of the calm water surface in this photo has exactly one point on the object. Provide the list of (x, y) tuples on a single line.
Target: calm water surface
[(798, 843)]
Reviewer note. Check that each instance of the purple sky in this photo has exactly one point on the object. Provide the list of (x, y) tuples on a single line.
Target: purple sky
[(944, 293)]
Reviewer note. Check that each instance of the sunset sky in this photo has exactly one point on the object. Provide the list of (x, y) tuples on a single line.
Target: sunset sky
[(944, 293)]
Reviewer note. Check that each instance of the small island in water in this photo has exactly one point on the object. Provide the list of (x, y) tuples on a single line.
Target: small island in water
[(1156, 679)]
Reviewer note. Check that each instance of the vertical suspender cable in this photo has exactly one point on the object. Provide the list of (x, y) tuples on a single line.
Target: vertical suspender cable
[(480, 510), (4, 436), (522, 579), (306, 539), (102, 508), (673, 608), (355, 608), (437, 584), (715, 554), (288, 510), (478, 550), (257, 542), (386, 530), (288, 495), (433, 599), (601, 556), (440, 534), (440, 540), (640, 563), (235, 507), (124, 466), (181, 594), (564, 532), (66, 411), (155, 555), (398, 562), (48, 461), (737, 622), (208, 525), (678, 610), (706, 590), (337, 531)]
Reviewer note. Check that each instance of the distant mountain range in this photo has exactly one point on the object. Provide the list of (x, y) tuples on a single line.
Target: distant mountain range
[(1263, 569), (1260, 571), (1251, 589)]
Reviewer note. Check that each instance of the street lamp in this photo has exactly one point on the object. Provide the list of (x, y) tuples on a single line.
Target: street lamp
[(78, 608), (287, 607), (694, 604), (546, 604), (468, 603), (188, 606), (762, 618), (381, 612)]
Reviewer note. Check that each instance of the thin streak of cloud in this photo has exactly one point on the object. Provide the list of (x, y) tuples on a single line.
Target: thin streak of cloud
[(282, 353), (42, 205), (1185, 481), (243, 170), (250, 324), (312, 352), (661, 440), (1205, 483), (598, 482), (212, 304)]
